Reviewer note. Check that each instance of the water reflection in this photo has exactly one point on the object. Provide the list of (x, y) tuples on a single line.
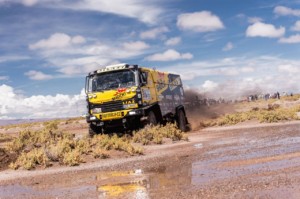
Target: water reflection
[(118, 184), (133, 184)]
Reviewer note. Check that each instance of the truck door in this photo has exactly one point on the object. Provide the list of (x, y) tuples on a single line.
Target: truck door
[(148, 88)]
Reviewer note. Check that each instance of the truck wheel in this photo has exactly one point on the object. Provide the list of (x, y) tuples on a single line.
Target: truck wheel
[(152, 118), (93, 130), (181, 121)]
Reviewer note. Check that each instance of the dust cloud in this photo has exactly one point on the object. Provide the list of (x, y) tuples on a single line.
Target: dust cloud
[(200, 107)]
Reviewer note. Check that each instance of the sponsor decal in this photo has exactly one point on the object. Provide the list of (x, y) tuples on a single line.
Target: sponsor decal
[(129, 102), (110, 115), (121, 90), (110, 69), (161, 76), (160, 87), (119, 94), (146, 94), (172, 87)]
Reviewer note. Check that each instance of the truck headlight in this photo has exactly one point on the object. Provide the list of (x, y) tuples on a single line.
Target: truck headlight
[(127, 106), (96, 110)]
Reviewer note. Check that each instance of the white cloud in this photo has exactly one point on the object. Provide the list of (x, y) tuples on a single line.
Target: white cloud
[(81, 65), (37, 75), (254, 19), (173, 41), (169, 55), (146, 11), (78, 40), (288, 68), (265, 73), (11, 58), (260, 29), (228, 47), (203, 21), (13, 105), (296, 26), (57, 40), (29, 2), (247, 69), (285, 11), (209, 86), (290, 40), (154, 33), (63, 52), (240, 88), (136, 46)]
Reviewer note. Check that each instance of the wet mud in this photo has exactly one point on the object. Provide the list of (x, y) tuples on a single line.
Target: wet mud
[(259, 162)]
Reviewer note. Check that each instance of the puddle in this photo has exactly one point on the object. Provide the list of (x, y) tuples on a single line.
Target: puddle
[(228, 159), (133, 189), (21, 191), (198, 146)]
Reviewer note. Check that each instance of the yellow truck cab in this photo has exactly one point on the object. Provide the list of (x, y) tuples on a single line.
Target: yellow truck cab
[(124, 95)]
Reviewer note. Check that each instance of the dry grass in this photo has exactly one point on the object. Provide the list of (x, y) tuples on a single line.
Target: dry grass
[(274, 113), (5, 137), (48, 146), (75, 120), (155, 134), (23, 126), (291, 98)]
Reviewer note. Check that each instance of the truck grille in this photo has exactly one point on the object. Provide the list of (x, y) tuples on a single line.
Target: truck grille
[(109, 106)]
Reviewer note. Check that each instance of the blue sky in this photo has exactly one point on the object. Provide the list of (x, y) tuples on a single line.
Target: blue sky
[(224, 48)]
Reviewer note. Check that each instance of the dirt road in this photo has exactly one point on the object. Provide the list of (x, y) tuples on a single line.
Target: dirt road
[(252, 161)]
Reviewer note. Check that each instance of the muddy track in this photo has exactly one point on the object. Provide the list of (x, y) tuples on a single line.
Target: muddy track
[(250, 161)]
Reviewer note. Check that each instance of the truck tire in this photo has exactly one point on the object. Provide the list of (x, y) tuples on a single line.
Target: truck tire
[(181, 121), (152, 118), (93, 130)]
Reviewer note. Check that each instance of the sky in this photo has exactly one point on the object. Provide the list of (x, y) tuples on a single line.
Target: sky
[(225, 48)]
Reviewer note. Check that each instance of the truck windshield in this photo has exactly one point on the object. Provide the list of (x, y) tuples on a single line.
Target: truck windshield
[(112, 80)]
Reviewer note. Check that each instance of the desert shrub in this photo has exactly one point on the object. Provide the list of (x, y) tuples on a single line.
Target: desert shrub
[(5, 137), (31, 159), (274, 113), (155, 134), (48, 145), (115, 142), (51, 125), (83, 146), (72, 158), (101, 153)]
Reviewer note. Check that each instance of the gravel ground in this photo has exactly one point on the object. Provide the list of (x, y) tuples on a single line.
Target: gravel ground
[(245, 161)]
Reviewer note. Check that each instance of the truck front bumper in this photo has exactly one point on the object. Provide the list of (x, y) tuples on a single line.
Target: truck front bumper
[(131, 113)]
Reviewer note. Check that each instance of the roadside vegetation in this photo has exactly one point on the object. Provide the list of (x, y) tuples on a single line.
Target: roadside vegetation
[(45, 144), (156, 134), (274, 113), (49, 145), (74, 120), (4, 137)]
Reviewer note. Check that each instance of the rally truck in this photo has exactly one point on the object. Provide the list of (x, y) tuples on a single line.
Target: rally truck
[(127, 96)]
